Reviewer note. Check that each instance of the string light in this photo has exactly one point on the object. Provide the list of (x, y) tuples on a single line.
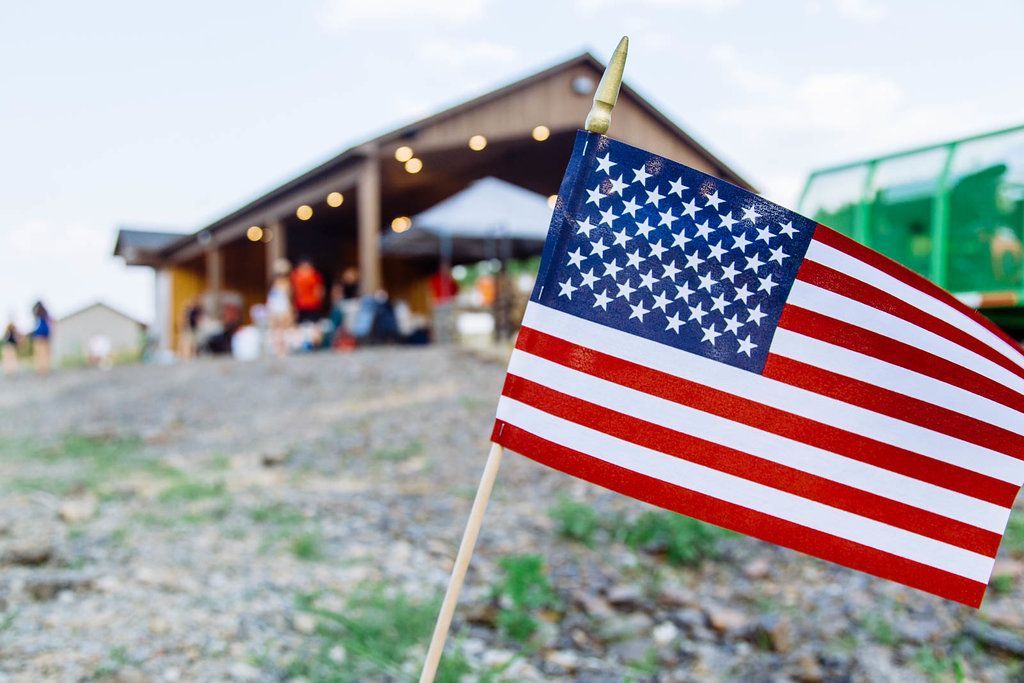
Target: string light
[(254, 233), (304, 212), (541, 133), (335, 199), (477, 143), (403, 154), (414, 165), (401, 224)]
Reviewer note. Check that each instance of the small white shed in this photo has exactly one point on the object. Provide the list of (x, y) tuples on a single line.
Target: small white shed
[(96, 334)]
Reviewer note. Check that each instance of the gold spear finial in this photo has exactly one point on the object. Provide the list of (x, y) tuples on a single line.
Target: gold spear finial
[(600, 116)]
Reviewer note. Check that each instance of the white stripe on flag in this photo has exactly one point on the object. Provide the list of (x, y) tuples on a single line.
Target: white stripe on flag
[(868, 274), (754, 387), (771, 447), (738, 491), (839, 307), (843, 361)]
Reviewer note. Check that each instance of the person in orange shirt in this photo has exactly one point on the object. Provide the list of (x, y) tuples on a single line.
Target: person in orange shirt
[(308, 291)]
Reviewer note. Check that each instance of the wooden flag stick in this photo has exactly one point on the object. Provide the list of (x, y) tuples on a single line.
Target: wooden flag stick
[(598, 120), (451, 597)]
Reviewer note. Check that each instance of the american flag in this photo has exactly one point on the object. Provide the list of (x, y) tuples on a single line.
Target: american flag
[(695, 346)]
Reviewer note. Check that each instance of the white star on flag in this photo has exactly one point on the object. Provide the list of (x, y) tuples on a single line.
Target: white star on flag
[(653, 196), (710, 334), (601, 300), (625, 289), (690, 209), (746, 346), (617, 185), (605, 164), (713, 200), (595, 196), (611, 269), (599, 247), (576, 258), (566, 288), (584, 227), (677, 187), (750, 214), (638, 311), (674, 323), (640, 175)]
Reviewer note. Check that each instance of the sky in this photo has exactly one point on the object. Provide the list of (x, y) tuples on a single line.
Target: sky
[(170, 115)]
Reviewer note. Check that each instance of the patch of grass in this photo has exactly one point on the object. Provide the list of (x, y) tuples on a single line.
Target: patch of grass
[(409, 450), (684, 540), (576, 521), (307, 546), (7, 621), (644, 669), (189, 491), (879, 628), (525, 588), (1013, 539), (379, 632), (116, 660), (939, 666), (77, 460), (277, 514), (218, 462), (119, 536), (1002, 584)]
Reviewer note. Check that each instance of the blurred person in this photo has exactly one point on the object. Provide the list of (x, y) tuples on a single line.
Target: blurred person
[(443, 286), (280, 316), (9, 351), (307, 291), (188, 339), (350, 283), (338, 336), (41, 333), (100, 352)]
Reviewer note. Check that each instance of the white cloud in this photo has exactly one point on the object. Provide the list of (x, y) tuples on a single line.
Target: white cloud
[(827, 118), (708, 6), (346, 14), (453, 54), (861, 10)]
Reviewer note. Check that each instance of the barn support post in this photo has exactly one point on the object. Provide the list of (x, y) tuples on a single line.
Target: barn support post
[(368, 212)]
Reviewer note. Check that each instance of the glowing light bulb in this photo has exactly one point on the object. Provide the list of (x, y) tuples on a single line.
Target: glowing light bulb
[(335, 199), (401, 224), (304, 212), (254, 233), (541, 133), (414, 165), (403, 154), (477, 143)]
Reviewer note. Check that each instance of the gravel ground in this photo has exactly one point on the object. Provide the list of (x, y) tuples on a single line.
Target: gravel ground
[(297, 519)]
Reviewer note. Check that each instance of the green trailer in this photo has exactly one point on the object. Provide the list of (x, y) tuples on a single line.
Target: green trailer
[(953, 212)]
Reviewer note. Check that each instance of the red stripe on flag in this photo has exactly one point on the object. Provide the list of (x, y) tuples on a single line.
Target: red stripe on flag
[(752, 468), (836, 240), (832, 331), (740, 519), (893, 404), (852, 288), (732, 407)]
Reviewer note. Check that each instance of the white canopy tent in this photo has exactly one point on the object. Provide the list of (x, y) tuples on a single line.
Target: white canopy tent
[(489, 219)]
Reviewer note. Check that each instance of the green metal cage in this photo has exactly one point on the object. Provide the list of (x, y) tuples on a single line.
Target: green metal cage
[(953, 212)]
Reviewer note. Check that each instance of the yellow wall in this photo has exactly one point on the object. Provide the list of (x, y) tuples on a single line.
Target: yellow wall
[(187, 284)]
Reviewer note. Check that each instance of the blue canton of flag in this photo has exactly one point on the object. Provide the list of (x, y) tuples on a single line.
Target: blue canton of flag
[(657, 249)]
